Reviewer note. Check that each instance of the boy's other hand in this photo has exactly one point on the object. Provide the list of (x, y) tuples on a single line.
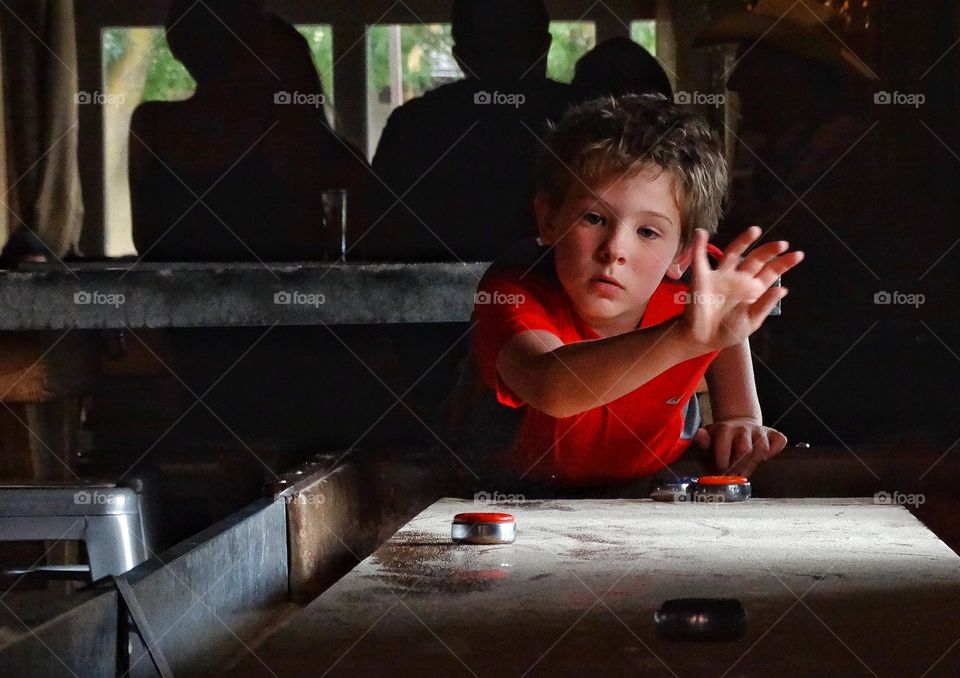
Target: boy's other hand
[(740, 445), (728, 304)]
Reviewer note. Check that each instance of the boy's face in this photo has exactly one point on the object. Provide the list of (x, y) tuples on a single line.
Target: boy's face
[(613, 244)]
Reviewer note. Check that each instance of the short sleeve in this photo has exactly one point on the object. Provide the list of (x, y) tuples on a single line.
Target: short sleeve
[(503, 308)]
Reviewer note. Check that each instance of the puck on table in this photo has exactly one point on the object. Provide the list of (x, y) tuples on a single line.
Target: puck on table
[(483, 528)]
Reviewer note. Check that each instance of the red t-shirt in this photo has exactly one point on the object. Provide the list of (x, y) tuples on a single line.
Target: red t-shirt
[(631, 437)]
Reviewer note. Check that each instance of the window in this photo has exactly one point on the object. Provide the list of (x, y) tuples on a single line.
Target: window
[(571, 40), (645, 33), (405, 61), (320, 39), (138, 66), (413, 36)]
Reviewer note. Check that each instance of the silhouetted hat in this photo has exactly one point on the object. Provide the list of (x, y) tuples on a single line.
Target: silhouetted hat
[(804, 28), (619, 66)]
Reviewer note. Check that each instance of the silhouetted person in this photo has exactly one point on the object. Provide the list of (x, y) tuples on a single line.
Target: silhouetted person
[(236, 171), (461, 157), (254, 144), (616, 67), (807, 170)]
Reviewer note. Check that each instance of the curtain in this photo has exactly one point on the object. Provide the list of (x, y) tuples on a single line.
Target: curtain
[(41, 121)]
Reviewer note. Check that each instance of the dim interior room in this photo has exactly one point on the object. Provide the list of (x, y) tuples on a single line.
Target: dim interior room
[(433, 337)]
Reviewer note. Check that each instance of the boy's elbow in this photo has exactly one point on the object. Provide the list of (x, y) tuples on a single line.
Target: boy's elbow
[(558, 410), (550, 407), (541, 398), (553, 399), (543, 384)]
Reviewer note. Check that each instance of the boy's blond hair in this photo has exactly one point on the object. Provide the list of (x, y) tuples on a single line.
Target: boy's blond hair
[(621, 136)]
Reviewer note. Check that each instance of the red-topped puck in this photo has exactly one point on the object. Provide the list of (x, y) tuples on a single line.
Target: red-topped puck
[(722, 480), (483, 528), (471, 518), (722, 489)]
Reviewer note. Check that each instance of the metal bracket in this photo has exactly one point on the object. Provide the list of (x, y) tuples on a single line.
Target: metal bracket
[(129, 605)]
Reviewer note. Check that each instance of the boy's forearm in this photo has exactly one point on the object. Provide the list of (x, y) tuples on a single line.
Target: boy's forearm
[(733, 390), (581, 376)]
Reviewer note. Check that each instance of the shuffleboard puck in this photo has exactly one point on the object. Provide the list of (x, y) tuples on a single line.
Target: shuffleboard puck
[(721, 489), (483, 528)]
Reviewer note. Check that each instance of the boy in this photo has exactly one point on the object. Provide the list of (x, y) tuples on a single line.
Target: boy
[(587, 348)]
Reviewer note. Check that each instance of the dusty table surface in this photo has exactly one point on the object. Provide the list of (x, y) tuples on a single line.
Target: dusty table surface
[(839, 587)]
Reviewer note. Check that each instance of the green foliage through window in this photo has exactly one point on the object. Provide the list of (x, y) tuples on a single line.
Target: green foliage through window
[(128, 51), (645, 33), (320, 39), (571, 40)]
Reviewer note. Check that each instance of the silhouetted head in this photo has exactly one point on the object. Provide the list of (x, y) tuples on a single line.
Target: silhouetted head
[(619, 66), (501, 39), (205, 35)]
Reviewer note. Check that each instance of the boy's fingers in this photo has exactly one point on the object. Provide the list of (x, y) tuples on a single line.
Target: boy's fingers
[(745, 466), (778, 442), (760, 309), (761, 444), (701, 265), (722, 444), (766, 445), (776, 268), (762, 255), (731, 256), (742, 444)]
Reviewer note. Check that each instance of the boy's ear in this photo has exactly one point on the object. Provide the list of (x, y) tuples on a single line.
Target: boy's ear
[(544, 213), (680, 262)]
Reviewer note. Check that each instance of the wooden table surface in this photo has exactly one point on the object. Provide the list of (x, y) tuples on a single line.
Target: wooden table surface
[(839, 587)]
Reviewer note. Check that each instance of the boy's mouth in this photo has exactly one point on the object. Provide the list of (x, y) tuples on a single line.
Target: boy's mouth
[(605, 280)]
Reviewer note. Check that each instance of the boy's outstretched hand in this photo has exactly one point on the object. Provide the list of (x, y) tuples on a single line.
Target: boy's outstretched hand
[(729, 303)]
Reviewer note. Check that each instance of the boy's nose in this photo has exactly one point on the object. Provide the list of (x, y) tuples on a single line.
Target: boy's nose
[(613, 247)]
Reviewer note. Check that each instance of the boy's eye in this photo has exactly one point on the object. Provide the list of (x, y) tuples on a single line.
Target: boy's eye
[(648, 233), (593, 218)]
